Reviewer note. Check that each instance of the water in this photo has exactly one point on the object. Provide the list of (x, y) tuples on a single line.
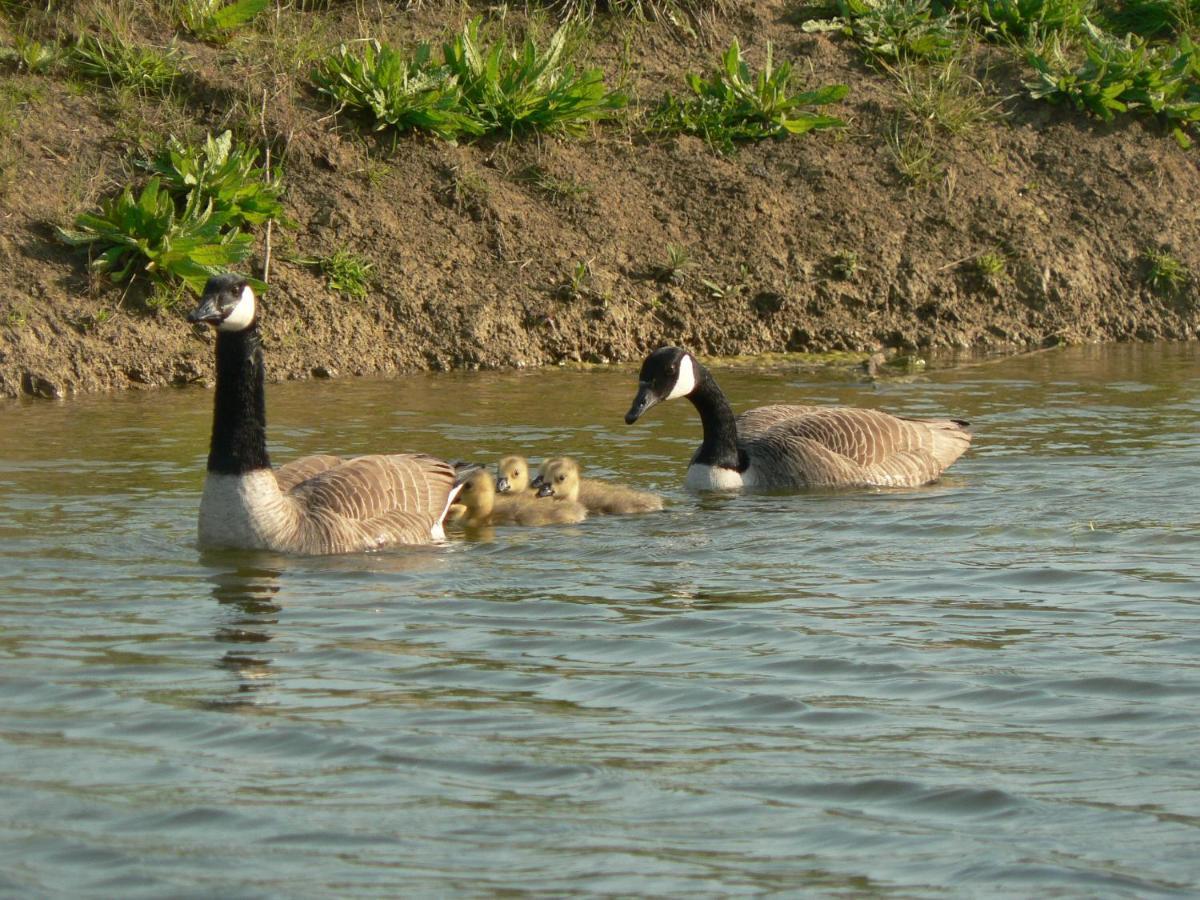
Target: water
[(986, 687)]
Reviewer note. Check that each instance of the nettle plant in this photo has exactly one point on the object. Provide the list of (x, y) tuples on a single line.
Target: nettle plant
[(734, 104), (192, 219)]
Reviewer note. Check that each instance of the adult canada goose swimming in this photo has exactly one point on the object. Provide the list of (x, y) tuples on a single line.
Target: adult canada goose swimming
[(482, 506), (560, 478), (318, 504), (796, 446), (512, 476)]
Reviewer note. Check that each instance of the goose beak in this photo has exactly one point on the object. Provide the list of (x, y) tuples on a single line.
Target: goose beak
[(538, 481), (645, 399), (545, 490), (208, 311), (502, 485)]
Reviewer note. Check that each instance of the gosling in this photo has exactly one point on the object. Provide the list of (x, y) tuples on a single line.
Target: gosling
[(512, 477), (560, 479), (481, 506)]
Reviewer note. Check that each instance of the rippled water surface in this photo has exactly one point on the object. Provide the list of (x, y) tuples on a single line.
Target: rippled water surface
[(986, 687)]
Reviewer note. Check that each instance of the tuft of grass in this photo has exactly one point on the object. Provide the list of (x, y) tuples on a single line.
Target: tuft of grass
[(347, 273), (577, 284), (214, 20), (1150, 18), (115, 59), (990, 266), (1165, 274), (943, 96), (672, 269), (914, 154), (735, 105), (566, 190), (34, 56), (147, 234)]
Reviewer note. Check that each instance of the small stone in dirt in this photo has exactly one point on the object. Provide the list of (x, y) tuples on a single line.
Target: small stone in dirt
[(324, 372), (37, 386)]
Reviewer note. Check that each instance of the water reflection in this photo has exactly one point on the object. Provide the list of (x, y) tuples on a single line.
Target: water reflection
[(248, 593)]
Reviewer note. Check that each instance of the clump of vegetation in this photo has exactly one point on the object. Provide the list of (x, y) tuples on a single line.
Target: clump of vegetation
[(225, 174), (894, 29), (392, 91), (1150, 18), (990, 266), (149, 234), (735, 105), (528, 88), (944, 97), (673, 268), (34, 56), (190, 221), (475, 90), (346, 273), (1165, 274), (843, 265), (1021, 19), (577, 284), (214, 20), (568, 190), (1124, 74), (120, 62)]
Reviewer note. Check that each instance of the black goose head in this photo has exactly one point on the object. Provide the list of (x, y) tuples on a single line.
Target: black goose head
[(667, 373), (227, 304)]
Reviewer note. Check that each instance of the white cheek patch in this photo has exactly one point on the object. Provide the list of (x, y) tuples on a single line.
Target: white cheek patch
[(243, 313), (685, 381)]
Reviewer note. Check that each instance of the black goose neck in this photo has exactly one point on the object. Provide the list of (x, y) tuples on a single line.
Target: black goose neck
[(720, 445), (239, 435)]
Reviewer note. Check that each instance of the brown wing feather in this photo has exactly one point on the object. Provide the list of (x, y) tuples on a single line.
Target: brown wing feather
[(848, 446), (302, 469)]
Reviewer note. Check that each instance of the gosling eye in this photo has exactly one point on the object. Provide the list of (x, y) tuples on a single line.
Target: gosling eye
[(561, 478)]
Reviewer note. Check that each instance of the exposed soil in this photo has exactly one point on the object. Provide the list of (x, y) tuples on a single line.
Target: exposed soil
[(813, 243)]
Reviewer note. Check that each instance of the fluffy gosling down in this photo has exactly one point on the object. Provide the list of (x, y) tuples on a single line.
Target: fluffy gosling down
[(561, 480), (796, 446), (314, 505), (483, 506), (512, 476)]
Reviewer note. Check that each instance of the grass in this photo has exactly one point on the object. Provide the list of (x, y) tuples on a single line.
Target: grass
[(943, 97), (1165, 274), (577, 284), (674, 266), (914, 154), (735, 105), (566, 190), (116, 60), (347, 273), (894, 29)]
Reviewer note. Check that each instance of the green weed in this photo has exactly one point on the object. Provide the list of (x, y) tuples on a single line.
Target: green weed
[(734, 105), (391, 91), (990, 266), (347, 273), (528, 88), (147, 234), (843, 265), (119, 62), (577, 284), (1165, 274), (1021, 19), (944, 96), (1151, 18), (894, 29), (223, 173), (672, 269), (214, 20), (1124, 74), (34, 56), (913, 152), (566, 190)]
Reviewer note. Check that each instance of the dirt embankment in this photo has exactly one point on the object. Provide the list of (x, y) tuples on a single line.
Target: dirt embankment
[(813, 243)]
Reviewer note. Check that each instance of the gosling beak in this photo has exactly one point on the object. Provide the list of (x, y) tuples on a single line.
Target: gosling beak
[(502, 486), (538, 481), (208, 311), (546, 489), (645, 399)]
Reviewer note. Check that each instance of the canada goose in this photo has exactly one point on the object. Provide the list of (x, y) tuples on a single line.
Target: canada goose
[(512, 476), (318, 504), (796, 446), (482, 506), (560, 479)]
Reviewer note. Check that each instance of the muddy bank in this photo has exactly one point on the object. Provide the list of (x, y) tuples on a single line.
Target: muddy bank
[(814, 243)]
